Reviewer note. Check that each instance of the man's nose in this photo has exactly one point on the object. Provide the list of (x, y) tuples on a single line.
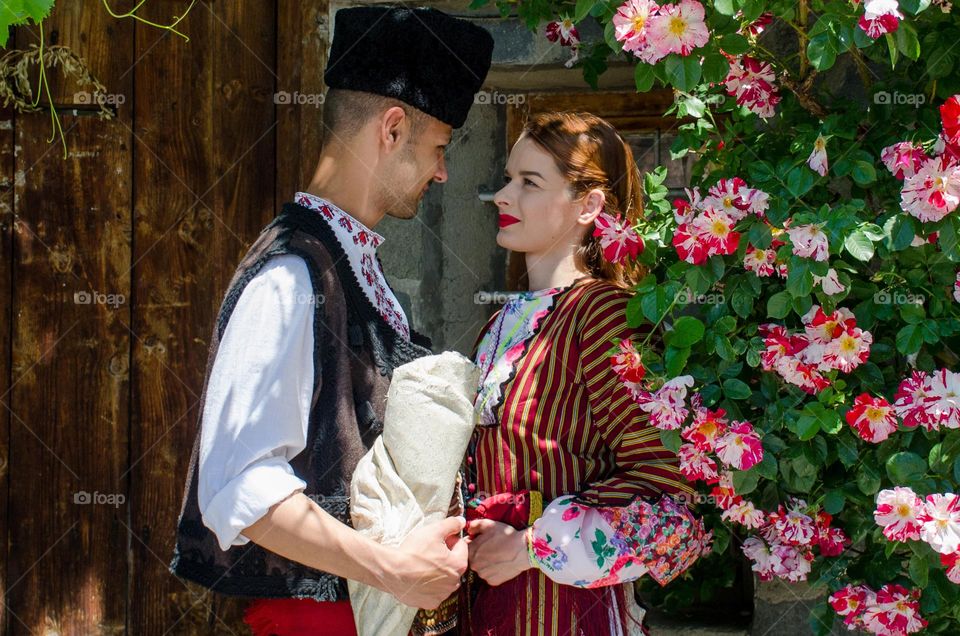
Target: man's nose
[(440, 176)]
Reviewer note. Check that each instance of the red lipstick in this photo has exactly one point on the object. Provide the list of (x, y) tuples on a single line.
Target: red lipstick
[(506, 219)]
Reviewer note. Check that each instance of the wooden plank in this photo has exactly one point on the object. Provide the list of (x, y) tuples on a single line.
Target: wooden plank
[(69, 399), (7, 169), (303, 37), (204, 189)]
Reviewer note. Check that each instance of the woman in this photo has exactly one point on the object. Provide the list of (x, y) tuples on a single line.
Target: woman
[(557, 423)]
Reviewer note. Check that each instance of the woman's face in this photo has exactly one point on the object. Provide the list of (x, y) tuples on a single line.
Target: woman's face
[(536, 212)]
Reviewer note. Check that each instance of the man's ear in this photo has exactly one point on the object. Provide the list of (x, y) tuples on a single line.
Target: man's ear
[(591, 206), (394, 125)]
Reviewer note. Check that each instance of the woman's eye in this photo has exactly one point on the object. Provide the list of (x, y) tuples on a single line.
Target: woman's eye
[(529, 182)]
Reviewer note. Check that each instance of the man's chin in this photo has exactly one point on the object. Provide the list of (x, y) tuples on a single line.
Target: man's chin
[(406, 212), (403, 214)]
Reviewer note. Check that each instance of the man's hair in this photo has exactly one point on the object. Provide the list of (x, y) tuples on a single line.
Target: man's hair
[(345, 112)]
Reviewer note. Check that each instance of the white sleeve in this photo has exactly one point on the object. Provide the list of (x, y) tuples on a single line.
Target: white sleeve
[(258, 399)]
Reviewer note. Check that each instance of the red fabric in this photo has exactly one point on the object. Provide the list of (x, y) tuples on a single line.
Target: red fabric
[(295, 617), (505, 507)]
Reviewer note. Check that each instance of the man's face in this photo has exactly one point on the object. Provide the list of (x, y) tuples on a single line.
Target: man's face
[(412, 169)]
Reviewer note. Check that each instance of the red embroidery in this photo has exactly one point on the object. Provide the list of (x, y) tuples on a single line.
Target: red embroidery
[(371, 273)]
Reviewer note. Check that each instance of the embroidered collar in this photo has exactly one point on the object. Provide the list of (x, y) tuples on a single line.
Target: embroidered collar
[(360, 244)]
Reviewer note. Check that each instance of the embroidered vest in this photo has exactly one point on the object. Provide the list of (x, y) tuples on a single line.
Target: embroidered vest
[(355, 353)]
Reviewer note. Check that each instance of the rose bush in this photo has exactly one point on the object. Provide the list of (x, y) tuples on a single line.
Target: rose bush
[(806, 288)]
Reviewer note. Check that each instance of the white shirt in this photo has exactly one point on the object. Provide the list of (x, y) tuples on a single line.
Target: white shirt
[(257, 406)]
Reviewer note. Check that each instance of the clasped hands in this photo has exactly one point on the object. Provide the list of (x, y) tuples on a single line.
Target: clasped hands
[(497, 551)]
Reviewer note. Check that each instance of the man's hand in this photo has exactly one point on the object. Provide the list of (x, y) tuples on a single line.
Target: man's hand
[(427, 567), (498, 552)]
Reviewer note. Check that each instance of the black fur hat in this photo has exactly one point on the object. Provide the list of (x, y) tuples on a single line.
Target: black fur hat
[(424, 57)]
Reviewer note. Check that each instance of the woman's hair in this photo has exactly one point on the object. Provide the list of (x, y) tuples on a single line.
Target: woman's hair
[(591, 155)]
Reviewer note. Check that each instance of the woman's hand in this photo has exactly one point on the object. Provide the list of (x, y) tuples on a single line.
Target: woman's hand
[(498, 552)]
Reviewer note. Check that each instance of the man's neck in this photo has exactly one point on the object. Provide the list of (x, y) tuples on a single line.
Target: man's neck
[(347, 188)]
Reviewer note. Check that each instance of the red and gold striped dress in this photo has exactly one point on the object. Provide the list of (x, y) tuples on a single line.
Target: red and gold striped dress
[(555, 419)]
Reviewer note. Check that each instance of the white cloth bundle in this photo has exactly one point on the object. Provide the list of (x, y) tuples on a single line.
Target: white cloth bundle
[(407, 478)]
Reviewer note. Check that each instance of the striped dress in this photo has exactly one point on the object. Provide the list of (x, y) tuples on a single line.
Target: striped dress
[(555, 419)]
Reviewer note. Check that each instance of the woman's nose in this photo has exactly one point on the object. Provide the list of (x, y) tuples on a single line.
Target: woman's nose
[(500, 198)]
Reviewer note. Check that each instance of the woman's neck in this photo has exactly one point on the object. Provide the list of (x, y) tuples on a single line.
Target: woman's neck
[(545, 271)]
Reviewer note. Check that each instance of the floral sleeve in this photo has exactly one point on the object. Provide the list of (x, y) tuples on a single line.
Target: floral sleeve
[(588, 546)]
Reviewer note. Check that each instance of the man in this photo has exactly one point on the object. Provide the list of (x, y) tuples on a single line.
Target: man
[(308, 336)]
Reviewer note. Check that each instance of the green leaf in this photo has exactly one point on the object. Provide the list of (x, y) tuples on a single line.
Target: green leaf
[(868, 481), (760, 235), (914, 6), (905, 467), (670, 440), (767, 468), (799, 474), (919, 570), (582, 10), (725, 7), (736, 389), (903, 232), (892, 48), (725, 325), (683, 72), (859, 245), (799, 181), (14, 12), (734, 44), (643, 77), (806, 427), (715, 68), (778, 305), (687, 331), (675, 359), (745, 481), (742, 303), (695, 108), (863, 172), (799, 277), (847, 453), (760, 171), (909, 339), (949, 235), (822, 50), (940, 62), (907, 42), (834, 501)]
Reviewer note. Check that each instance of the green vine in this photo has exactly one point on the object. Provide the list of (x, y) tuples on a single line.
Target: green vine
[(15, 87)]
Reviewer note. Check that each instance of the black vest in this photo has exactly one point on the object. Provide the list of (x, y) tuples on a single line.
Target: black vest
[(355, 353)]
